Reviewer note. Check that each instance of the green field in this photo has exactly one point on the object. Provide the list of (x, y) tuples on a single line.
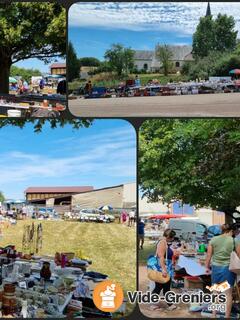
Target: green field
[(148, 249), (114, 82), (111, 247)]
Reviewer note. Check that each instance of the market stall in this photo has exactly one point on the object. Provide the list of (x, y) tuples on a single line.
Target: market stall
[(156, 89), (32, 105), (190, 272), (33, 285)]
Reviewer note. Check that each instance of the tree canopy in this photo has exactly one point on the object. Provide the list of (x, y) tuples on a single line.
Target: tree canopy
[(26, 74), (164, 55), (2, 198), (38, 124), (89, 62), (120, 59), (73, 63), (214, 35), (194, 161), (30, 30), (215, 64)]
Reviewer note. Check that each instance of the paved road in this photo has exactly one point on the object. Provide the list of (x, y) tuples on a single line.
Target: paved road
[(205, 105)]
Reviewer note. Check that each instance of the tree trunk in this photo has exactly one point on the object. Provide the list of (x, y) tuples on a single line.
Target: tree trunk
[(228, 219), (228, 214), (5, 66)]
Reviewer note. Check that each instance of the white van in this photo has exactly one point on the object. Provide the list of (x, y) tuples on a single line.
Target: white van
[(187, 229)]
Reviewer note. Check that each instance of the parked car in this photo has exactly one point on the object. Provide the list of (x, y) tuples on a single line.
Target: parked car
[(47, 213), (97, 92), (187, 229), (95, 215)]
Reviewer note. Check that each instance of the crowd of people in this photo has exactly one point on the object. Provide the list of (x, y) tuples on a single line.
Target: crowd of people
[(14, 213), (217, 264), (21, 86)]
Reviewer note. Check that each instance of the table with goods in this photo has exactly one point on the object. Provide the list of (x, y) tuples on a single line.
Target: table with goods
[(57, 286)]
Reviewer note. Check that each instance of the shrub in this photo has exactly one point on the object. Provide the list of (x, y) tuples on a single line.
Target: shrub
[(226, 64), (215, 64)]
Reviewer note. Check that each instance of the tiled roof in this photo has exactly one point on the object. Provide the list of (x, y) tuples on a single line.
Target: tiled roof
[(58, 65), (143, 55), (179, 51)]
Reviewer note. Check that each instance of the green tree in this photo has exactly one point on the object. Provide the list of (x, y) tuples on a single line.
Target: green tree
[(237, 49), (104, 67), (186, 68), (2, 198), (215, 64), (225, 35), (206, 66), (26, 74), (73, 63), (38, 124), (214, 35), (203, 38), (89, 62), (30, 30), (164, 54), (194, 161), (120, 59), (226, 63)]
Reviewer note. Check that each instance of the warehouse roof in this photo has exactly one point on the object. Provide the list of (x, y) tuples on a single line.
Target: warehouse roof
[(59, 189)]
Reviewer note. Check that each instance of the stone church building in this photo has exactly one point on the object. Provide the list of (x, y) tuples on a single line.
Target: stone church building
[(148, 60)]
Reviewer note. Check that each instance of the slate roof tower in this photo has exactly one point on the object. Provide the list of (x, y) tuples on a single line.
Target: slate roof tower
[(208, 12)]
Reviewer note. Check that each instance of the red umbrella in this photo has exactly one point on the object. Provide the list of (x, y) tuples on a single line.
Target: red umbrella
[(235, 71), (167, 216)]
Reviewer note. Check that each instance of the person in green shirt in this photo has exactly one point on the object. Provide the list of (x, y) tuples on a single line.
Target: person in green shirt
[(218, 255)]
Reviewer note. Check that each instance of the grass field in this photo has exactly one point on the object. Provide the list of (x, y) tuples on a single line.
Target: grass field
[(148, 249), (114, 82), (111, 247)]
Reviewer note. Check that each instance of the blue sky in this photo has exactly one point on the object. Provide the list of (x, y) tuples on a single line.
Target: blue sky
[(93, 42), (102, 155), (93, 27)]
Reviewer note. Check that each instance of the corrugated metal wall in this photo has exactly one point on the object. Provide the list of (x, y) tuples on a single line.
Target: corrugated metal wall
[(98, 198)]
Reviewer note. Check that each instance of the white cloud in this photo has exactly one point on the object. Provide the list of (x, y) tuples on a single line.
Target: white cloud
[(163, 16), (106, 155), (76, 143)]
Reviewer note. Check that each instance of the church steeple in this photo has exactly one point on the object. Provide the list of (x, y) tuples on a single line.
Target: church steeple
[(208, 12)]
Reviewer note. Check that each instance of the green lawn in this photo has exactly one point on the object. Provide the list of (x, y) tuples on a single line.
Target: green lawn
[(144, 80), (148, 249), (111, 247), (161, 78)]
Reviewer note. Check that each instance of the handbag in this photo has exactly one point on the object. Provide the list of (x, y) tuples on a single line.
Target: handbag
[(234, 265), (154, 269)]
